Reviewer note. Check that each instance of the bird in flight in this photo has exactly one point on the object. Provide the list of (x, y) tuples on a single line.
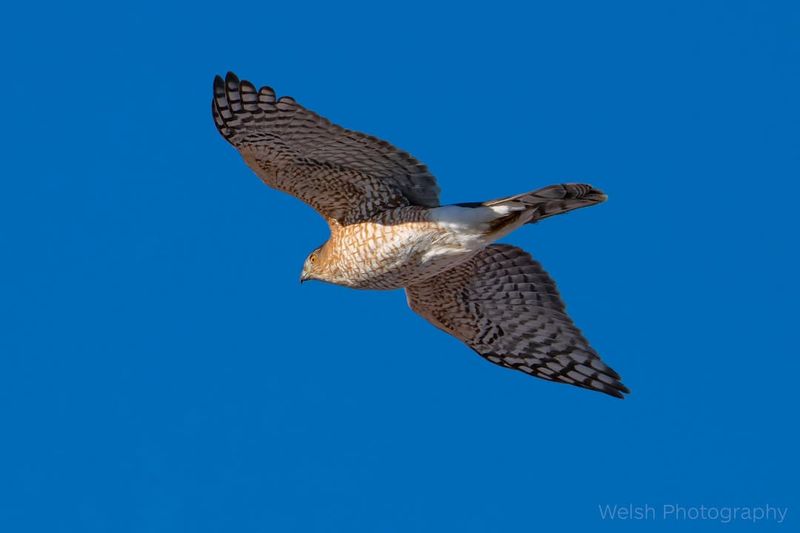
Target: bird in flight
[(389, 231)]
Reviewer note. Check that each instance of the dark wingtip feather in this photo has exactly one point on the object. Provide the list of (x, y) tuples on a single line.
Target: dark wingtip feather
[(616, 394), (616, 389)]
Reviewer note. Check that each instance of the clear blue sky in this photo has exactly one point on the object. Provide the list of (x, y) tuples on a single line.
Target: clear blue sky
[(161, 369)]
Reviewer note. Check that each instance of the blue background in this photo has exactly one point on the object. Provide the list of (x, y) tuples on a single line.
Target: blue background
[(162, 370)]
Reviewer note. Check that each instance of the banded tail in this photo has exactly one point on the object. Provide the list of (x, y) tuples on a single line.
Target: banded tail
[(494, 219), (552, 200)]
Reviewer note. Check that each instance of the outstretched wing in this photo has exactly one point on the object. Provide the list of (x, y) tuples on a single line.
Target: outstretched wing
[(505, 307), (345, 175)]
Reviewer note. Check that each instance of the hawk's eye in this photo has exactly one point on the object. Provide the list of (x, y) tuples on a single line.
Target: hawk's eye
[(312, 258)]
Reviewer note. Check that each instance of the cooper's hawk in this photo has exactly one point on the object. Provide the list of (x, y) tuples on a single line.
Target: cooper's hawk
[(388, 231)]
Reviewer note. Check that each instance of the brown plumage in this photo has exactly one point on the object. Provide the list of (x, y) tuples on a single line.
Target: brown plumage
[(388, 231)]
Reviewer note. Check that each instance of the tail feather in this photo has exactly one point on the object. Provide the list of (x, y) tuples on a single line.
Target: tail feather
[(553, 200)]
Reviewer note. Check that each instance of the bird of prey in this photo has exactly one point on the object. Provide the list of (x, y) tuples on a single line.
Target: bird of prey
[(389, 231)]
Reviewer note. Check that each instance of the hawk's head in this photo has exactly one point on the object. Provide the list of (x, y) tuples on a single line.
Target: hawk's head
[(311, 266)]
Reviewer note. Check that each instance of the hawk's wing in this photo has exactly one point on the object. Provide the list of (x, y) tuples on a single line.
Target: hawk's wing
[(345, 175), (505, 307)]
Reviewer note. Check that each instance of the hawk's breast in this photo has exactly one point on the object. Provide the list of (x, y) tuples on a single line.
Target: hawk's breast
[(397, 249)]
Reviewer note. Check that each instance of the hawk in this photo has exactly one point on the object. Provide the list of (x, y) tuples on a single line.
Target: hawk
[(389, 231)]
